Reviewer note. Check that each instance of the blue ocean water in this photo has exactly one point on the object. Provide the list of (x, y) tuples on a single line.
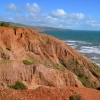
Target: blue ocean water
[(85, 42)]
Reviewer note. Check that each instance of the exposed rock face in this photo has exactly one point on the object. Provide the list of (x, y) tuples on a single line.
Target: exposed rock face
[(51, 77), (37, 75), (27, 44)]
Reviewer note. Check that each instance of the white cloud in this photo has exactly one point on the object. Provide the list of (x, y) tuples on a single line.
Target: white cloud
[(60, 13), (95, 24), (35, 19), (12, 7), (34, 8), (77, 15), (31, 15)]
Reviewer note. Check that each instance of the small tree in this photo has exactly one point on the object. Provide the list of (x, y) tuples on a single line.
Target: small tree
[(18, 85)]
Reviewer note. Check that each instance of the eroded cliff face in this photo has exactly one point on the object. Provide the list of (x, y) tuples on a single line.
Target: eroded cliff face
[(54, 62), (34, 76)]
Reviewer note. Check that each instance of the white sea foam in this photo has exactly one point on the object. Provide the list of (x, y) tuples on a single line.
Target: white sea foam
[(95, 58), (98, 64), (83, 42), (76, 42), (88, 49), (71, 44), (70, 41)]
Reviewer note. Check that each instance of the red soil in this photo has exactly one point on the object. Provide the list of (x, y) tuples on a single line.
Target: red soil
[(49, 94)]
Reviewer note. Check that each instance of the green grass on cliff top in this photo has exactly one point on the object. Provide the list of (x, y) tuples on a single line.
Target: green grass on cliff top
[(6, 24)]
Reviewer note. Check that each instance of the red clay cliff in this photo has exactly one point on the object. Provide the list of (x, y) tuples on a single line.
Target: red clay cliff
[(53, 63)]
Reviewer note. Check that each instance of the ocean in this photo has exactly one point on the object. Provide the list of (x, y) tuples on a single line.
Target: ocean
[(85, 42)]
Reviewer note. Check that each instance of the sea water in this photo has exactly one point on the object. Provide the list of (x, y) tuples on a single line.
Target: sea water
[(85, 42)]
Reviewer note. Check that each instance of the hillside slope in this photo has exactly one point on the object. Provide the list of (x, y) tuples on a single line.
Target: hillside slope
[(42, 60)]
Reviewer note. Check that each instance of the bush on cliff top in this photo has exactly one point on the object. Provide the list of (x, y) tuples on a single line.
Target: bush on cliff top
[(7, 24), (18, 85)]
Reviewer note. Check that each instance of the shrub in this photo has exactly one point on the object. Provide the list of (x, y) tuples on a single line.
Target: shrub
[(18, 85), (26, 62), (75, 97)]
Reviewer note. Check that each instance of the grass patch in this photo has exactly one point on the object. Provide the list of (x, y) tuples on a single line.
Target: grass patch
[(26, 62), (58, 67), (68, 64), (18, 85), (84, 80), (48, 64), (54, 66)]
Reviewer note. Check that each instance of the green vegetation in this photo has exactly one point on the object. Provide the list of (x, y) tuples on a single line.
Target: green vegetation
[(65, 63), (77, 63), (26, 62), (96, 69), (72, 65), (54, 66), (58, 67), (7, 24), (84, 80), (47, 64), (78, 69), (75, 97), (18, 85)]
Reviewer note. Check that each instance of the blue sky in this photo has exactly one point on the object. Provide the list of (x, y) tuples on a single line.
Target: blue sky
[(72, 14)]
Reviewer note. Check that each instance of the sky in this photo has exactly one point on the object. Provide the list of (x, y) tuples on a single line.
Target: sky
[(69, 14)]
